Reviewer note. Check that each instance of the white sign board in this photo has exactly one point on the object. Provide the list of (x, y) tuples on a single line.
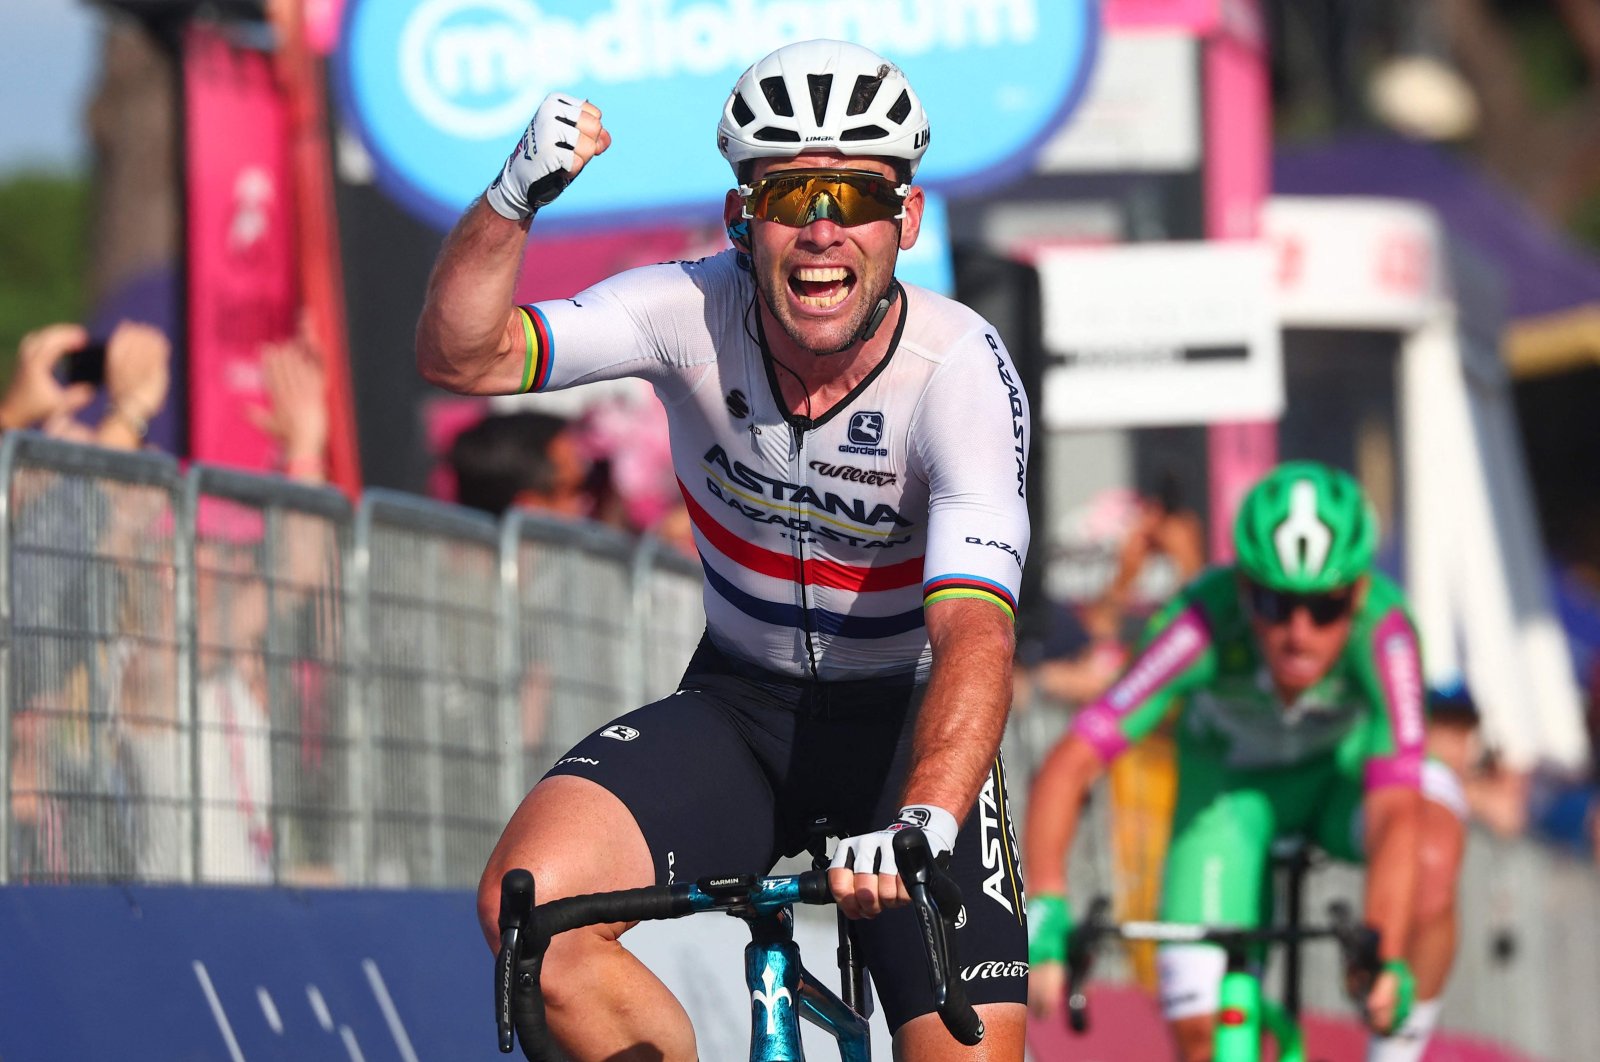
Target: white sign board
[(1141, 113), (1159, 334), (1353, 262)]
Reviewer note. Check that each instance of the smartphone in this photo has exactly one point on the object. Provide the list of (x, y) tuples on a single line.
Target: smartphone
[(87, 365)]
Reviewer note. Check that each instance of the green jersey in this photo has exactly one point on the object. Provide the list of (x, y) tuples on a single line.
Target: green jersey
[(1199, 658)]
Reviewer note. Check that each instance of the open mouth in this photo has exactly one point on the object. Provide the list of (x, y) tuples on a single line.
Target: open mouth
[(822, 287)]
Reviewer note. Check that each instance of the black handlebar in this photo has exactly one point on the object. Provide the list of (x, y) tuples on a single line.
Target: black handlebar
[(1358, 945), (526, 930)]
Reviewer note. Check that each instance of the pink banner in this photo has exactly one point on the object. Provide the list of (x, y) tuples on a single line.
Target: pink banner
[(1198, 17), (241, 272), (1238, 143)]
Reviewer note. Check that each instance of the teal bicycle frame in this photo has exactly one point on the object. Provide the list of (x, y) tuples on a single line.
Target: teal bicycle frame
[(782, 991)]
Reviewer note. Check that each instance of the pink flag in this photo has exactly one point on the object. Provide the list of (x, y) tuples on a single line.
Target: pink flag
[(242, 286)]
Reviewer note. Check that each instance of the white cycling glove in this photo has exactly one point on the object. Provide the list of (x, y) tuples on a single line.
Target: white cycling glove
[(541, 165), (874, 852)]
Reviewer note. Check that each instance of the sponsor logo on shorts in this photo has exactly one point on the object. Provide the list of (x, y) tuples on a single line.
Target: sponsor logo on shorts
[(992, 840), (578, 759), (618, 732), (988, 971), (961, 916)]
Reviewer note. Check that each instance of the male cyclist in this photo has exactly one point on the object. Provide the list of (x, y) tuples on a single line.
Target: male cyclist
[(852, 451), (1294, 681)]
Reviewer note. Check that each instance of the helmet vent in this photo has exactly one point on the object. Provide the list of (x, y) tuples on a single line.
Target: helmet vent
[(773, 135), (864, 132), (741, 112), (862, 95), (777, 94), (821, 86), (901, 108)]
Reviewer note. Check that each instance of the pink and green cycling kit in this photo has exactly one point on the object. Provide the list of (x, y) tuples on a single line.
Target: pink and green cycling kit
[(1200, 661), (1251, 768)]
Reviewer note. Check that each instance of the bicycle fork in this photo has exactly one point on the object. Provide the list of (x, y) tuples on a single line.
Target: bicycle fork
[(1245, 1014)]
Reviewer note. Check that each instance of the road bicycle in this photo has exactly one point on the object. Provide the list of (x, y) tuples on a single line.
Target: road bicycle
[(1246, 1015), (782, 991)]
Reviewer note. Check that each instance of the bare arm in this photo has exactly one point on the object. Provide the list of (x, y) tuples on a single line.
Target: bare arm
[(470, 336), (1054, 805), (958, 729), (964, 711), (1393, 817)]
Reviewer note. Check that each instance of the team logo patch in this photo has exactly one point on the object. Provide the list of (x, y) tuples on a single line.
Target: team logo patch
[(866, 428), (618, 732)]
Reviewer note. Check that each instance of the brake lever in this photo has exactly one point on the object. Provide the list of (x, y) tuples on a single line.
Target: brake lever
[(516, 907), (1080, 958), (933, 892)]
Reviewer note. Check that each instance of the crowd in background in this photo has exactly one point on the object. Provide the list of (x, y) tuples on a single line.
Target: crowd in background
[(609, 464)]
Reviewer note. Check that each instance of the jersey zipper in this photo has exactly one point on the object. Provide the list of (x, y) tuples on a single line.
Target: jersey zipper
[(803, 519)]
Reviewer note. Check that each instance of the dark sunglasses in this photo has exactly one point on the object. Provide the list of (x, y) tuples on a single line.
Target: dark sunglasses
[(1276, 606), (844, 197)]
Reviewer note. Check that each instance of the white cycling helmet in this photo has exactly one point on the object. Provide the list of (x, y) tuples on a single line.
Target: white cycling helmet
[(823, 96)]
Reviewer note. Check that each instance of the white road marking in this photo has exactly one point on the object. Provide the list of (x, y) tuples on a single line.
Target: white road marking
[(390, 1014), (350, 1045), (270, 1009), (216, 1011), (319, 1007)]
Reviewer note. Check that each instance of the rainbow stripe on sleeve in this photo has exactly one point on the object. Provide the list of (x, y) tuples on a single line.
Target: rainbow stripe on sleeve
[(950, 587), (541, 349)]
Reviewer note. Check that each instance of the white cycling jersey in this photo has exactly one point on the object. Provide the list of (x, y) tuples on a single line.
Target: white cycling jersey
[(821, 540)]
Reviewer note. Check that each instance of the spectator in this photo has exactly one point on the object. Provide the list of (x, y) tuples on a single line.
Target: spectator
[(137, 374), (520, 460), (1067, 665), (1495, 795), (235, 694), (298, 414), (78, 780), (1162, 528)]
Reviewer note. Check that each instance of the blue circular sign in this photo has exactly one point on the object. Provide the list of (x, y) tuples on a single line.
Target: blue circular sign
[(440, 90)]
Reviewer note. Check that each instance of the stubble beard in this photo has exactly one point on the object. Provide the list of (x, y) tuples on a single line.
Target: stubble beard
[(817, 337)]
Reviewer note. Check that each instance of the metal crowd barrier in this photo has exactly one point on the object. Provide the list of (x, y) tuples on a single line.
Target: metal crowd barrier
[(215, 677), (210, 676)]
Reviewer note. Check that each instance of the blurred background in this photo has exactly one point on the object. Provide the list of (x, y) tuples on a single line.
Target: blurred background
[(1214, 234)]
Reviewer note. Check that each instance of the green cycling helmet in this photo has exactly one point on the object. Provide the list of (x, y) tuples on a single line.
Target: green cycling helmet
[(1305, 528)]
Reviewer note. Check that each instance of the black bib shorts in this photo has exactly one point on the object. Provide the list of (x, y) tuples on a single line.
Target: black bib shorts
[(727, 774)]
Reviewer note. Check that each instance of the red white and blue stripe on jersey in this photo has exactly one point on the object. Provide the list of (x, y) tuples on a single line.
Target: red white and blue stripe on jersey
[(898, 576)]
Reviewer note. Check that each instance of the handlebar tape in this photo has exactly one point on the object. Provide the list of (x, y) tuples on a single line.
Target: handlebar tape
[(526, 994)]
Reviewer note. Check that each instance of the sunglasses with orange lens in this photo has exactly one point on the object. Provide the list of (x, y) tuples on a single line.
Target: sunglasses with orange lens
[(844, 197)]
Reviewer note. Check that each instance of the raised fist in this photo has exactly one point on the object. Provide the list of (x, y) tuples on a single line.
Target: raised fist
[(564, 135)]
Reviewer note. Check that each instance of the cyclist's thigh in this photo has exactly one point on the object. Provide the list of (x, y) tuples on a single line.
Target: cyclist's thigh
[(990, 939), (684, 771), (1216, 863), (1221, 833)]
